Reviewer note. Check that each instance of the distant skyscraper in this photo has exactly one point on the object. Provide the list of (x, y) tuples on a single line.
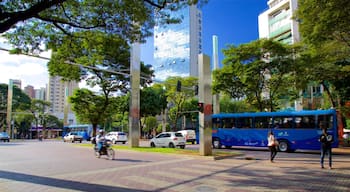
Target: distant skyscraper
[(40, 93), (176, 46), (17, 83), (29, 90), (57, 91), (277, 23)]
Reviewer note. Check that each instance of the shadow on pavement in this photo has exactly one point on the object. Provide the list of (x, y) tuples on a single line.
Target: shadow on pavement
[(131, 160), (60, 183)]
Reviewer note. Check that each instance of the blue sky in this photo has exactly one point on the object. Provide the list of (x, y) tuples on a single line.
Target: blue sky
[(233, 21)]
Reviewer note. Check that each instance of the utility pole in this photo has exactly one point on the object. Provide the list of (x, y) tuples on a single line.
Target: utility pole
[(205, 97)]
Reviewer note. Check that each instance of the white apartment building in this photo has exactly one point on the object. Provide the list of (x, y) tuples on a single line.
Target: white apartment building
[(58, 92), (277, 23)]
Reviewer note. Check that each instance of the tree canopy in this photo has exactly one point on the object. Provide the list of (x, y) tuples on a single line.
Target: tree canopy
[(324, 26), (30, 24), (92, 108), (260, 72), (324, 20)]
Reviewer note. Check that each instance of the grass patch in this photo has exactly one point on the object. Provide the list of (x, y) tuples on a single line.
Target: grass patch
[(168, 150)]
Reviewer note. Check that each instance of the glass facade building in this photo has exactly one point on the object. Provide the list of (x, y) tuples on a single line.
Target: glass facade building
[(176, 46)]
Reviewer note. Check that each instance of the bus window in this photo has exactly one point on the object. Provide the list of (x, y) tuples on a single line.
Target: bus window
[(216, 123), (326, 120), (229, 123), (305, 122), (244, 122), (263, 122), (283, 122)]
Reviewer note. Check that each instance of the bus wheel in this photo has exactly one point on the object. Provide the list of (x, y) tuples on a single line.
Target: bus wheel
[(216, 143), (283, 146)]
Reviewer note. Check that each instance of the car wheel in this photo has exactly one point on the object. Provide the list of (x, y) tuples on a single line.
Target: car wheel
[(182, 146), (124, 142), (193, 142), (171, 145), (153, 145), (80, 141)]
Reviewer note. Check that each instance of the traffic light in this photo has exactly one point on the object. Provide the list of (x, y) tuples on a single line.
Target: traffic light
[(178, 86), (195, 89), (200, 107)]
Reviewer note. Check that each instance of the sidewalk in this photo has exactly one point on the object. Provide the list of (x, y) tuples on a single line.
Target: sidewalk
[(341, 150)]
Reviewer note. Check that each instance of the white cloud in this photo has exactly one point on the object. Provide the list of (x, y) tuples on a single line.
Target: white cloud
[(164, 74), (172, 44), (30, 70)]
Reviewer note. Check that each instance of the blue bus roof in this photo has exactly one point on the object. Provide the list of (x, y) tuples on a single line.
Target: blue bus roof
[(78, 126), (277, 113)]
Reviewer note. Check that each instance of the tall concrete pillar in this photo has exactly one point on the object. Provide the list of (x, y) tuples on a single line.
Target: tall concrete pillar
[(205, 97), (134, 109), (9, 106), (216, 97)]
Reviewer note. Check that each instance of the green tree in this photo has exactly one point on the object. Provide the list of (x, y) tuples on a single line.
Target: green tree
[(325, 31), (150, 124), (28, 25), (229, 105), (177, 99), (92, 108), (322, 21), (37, 109), (20, 102), (260, 71)]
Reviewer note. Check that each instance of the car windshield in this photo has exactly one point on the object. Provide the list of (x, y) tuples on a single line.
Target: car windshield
[(4, 134)]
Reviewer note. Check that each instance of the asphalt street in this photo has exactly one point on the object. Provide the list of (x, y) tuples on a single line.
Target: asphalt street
[(33, 166)]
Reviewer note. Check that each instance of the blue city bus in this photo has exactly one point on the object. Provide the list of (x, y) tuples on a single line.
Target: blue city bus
[(295, 130), (85, 130)]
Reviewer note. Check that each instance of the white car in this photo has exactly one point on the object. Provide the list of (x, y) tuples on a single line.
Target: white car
[(117, 136), (72, 137), (168, 139), (190, 135)]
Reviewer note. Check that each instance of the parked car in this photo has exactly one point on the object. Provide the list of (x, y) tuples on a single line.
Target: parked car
[(168, 139), (4, 137), (190, 135), (72, 137), (117, 136)]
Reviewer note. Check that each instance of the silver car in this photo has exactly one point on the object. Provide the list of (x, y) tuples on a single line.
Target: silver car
[(168, 139)]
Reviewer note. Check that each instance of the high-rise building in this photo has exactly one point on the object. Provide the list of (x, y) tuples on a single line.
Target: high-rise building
[(29, 90), (176, 46), (17, 83), (40, 93), (277, 23), (58, 93)]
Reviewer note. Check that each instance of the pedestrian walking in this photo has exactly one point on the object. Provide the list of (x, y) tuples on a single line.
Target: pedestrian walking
[(272, 144), (326, 145)]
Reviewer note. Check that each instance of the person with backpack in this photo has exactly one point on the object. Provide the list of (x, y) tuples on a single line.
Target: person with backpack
[(326, 146)]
